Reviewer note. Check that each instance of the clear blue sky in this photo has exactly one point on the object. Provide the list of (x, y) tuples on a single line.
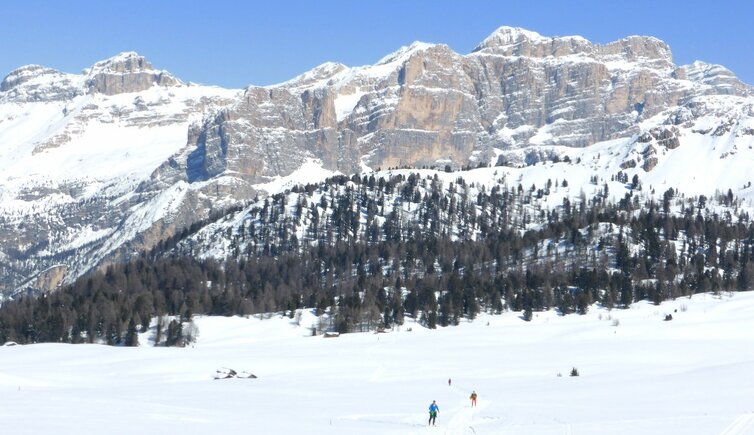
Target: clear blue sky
[(237, 43)]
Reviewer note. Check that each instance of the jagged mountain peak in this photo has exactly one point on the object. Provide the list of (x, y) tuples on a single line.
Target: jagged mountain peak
[(35, 83), (125, 62), (123, 73), (706, 72), (339, 75), (714, 75), (25, 74), (516, 41), (506, 35), (318, 76), (406, 52), (126, 72), (640, 48)]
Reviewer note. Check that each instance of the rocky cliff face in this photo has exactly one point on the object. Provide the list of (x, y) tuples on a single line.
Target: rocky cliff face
[(428, 106), (96, 167)]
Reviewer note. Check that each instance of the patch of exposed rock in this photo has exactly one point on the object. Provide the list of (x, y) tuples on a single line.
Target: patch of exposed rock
[(126, 72)]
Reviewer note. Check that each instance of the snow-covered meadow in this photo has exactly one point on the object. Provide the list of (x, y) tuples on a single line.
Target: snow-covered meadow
[(639, 374)]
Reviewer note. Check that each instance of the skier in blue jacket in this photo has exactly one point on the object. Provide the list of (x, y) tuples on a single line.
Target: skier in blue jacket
[(433, 410)]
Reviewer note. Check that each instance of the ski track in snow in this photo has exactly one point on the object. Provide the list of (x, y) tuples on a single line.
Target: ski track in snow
[(382, 419), (742, 425), (462, 418)]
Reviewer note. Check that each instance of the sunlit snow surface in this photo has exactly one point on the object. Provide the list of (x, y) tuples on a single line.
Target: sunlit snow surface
[(638, 375)]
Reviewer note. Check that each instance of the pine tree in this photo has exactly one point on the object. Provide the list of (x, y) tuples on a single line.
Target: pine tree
[(132, 336)]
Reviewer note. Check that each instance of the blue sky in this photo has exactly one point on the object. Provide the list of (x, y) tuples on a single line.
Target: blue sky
[(237, 43)]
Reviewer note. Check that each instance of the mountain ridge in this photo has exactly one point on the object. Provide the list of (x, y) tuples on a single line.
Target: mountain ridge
[(186, 151)]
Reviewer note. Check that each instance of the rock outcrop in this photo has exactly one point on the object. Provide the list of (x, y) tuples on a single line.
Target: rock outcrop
[(125, 73)]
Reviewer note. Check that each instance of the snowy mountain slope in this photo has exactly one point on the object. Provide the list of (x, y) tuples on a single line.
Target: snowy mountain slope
[(98, 166), (75, 149), (638, 374)]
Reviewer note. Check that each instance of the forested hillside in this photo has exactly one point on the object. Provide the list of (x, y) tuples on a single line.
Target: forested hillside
[(367, 251)]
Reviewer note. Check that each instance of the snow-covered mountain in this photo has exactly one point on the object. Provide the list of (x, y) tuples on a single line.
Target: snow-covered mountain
[(98, 166), (74, 150)]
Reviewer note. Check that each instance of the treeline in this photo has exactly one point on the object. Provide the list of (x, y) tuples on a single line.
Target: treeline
[(423, 267)]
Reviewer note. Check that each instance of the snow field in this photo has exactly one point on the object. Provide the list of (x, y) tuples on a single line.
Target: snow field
[(690, 375)]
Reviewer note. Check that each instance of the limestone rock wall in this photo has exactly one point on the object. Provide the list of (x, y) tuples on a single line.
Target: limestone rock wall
[(426, 105)]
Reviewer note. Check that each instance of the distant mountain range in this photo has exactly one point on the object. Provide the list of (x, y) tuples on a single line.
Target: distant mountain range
[(100, 166)]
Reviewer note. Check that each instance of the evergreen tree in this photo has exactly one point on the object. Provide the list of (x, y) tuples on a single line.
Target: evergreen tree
[(132, 336)]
